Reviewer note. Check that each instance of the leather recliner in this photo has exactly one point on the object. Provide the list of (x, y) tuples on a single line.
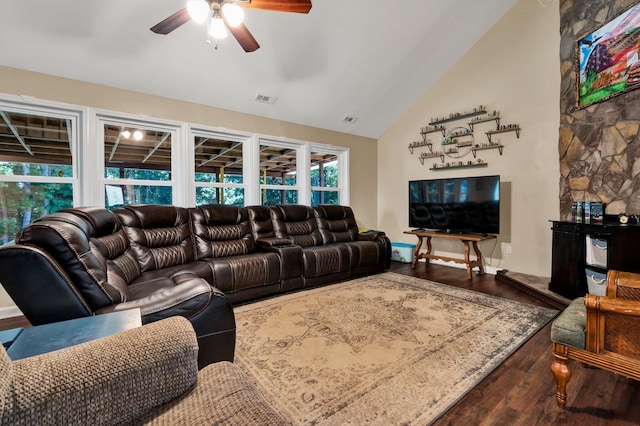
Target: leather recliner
[(96, 271), (321, 263)]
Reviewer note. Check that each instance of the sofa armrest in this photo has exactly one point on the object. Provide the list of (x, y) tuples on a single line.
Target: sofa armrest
[(290, 255), (370, 235), (39, 286), (265, 243), (110, 380), (381, 238)]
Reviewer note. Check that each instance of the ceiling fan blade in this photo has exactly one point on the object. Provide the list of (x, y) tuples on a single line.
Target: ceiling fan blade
[(244, 37), (295, 6), (172, 22)]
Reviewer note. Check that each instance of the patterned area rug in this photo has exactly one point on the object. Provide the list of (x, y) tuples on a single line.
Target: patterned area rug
[(386, 349)]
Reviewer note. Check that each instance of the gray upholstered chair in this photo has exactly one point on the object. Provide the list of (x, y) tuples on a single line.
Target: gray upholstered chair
[(146, 375), (600, 331)]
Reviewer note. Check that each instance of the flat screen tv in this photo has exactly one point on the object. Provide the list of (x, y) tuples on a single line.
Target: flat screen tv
[(456, 205)]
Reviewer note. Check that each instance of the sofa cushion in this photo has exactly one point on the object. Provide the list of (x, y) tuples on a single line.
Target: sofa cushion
[(296, 223), (235, 273), (569, 328), (224, 395), (109, 243), (159, 235), (336, 223), (325, 260), (221, 231), (261, 224), (182, 293)]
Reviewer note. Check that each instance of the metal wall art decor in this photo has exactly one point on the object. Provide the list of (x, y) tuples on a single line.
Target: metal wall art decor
[(608, 60)]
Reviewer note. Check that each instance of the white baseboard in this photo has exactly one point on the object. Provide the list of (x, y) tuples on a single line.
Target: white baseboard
[(10, 312), (488, 269)]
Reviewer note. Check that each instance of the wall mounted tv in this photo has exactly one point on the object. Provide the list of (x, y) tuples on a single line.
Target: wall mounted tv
[(456, 205)]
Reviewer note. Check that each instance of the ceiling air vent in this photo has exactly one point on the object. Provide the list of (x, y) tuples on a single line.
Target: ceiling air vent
[(349, 119), (264, 99)]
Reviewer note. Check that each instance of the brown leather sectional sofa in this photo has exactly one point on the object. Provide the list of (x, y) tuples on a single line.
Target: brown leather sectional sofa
[(192, 262)]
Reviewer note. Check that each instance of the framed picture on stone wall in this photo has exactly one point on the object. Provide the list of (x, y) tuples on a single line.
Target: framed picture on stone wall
[(608, 59)]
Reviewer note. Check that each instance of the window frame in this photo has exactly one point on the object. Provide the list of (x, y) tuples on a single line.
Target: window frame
[(201, 131), (342, 155), (49, 109), (88, 154), (302, 173), (102, 118)]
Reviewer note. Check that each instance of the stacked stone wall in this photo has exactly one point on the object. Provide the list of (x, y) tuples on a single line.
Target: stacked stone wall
[(599, 146)]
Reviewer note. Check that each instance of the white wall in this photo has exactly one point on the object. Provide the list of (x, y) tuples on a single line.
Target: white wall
[(513, 69)]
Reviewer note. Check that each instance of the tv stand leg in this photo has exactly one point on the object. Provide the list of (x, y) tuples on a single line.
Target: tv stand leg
[(466, 258), (416, 253), (478, 258), (473, 263)]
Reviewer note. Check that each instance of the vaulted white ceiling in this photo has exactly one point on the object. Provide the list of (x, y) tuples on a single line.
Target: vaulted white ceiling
[(369, 59)]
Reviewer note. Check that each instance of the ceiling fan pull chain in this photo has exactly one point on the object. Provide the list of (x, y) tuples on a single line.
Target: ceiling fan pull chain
[(215, 45)]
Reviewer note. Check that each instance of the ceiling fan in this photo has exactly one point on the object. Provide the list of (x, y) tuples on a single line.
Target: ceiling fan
[(228, 14)]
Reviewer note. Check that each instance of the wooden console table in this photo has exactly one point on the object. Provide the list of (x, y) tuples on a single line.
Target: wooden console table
[(464, 238)]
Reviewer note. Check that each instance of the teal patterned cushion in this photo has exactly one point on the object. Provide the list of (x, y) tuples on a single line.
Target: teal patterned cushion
[(569, 328)]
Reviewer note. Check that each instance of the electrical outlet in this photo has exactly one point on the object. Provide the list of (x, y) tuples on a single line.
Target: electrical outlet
[(508, 249)]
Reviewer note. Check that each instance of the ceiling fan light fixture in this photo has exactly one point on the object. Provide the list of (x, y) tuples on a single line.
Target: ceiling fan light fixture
[(217, 29), (198, 10), (233, 13), (138, 135)]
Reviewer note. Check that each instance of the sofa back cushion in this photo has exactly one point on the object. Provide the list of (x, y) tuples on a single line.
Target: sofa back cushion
[(261, 224), (159, 235), (109, 243), (297, 223), (220, 231), (336, 224), (65, 237)]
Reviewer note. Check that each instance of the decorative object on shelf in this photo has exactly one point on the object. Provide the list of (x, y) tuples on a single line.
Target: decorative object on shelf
[(459, 141), (481, 147), (419, 144), (492, 116), (431, 154), (459, 165), (623, 218), (431, 129), (503, 129), (480, 110)]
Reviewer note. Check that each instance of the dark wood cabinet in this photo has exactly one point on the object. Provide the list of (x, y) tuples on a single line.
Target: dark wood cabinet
[(569, 253)]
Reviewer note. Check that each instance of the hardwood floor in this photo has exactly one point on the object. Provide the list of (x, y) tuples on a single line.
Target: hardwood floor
[(521, 391)]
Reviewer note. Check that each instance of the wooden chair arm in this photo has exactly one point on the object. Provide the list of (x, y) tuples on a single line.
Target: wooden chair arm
[(612, 305), (621, 284), (610, 315)]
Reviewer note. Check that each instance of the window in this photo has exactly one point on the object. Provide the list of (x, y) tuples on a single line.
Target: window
[(218, 165), (138, 163), (38, 174), (278, 174), (329, 175), (324, 179), (55, 156)]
